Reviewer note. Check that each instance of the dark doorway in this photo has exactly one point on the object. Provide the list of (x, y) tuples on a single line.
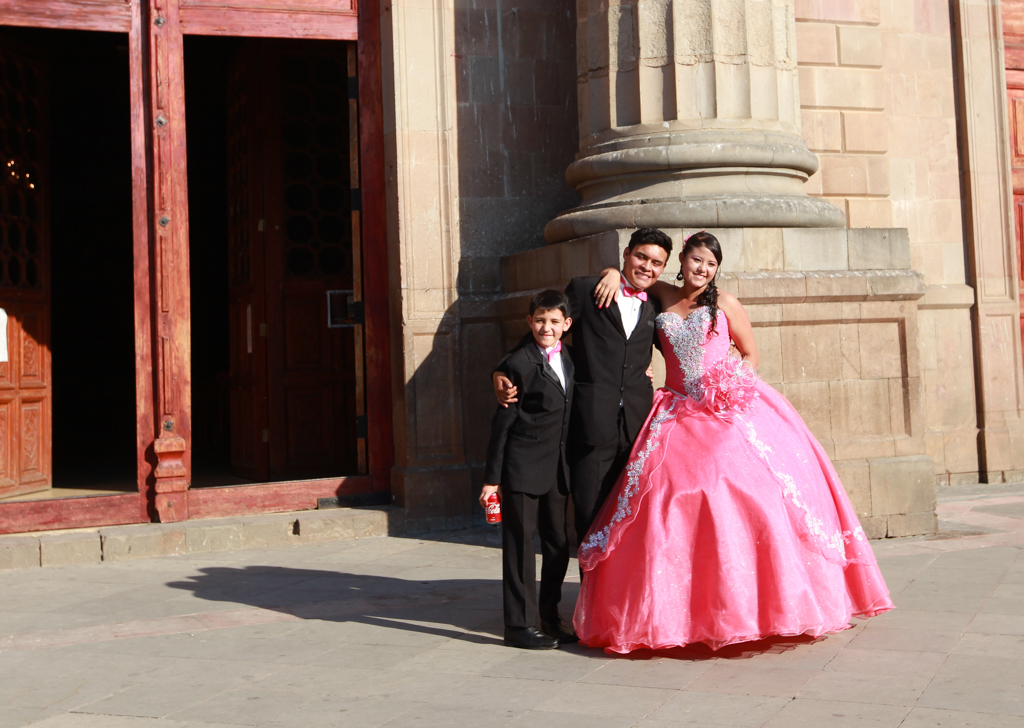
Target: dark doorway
[(206, 61), (277, 347), (85, 127)]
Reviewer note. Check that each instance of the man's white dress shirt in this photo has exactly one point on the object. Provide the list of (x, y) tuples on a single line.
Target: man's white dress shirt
[(629, 308)]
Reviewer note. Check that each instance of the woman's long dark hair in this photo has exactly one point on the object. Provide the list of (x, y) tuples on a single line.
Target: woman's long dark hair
[(709, 297)]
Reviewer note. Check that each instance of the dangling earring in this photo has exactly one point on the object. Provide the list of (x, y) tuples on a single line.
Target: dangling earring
[(679, 276)]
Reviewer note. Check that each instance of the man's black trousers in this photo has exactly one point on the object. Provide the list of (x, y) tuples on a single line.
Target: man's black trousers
[(522, 515), (593, 471)]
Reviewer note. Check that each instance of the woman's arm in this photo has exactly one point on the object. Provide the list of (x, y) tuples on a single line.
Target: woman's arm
[(607, 291), (740, 328)]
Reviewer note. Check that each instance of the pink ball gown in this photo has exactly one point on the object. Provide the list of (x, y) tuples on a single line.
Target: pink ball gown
[(729, 523)]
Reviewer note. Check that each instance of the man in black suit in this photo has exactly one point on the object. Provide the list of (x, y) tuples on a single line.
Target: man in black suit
[(612, 354), (527, 467)]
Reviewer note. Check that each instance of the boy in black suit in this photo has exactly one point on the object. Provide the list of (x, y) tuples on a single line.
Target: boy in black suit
[(527, 467)]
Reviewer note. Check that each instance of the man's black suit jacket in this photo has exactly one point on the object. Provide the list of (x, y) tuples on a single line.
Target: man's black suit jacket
[(527, 447), (609, 367)]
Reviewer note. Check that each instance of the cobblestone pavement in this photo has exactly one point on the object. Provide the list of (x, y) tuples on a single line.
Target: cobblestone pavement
[(406, 632)]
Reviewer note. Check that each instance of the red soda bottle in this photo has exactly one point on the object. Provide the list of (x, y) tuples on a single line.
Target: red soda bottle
[(493, 509)]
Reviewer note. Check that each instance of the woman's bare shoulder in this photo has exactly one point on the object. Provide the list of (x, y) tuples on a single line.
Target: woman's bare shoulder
[(728, 302), (665, 292)]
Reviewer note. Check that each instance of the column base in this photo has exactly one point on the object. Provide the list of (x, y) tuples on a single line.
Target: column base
[(1002, 448), (712, 211)]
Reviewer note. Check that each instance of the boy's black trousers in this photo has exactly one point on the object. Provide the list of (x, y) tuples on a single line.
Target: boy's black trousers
[(522, 515)]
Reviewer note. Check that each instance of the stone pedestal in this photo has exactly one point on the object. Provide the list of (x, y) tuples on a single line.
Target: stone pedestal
[(835, 319), (689, 117)]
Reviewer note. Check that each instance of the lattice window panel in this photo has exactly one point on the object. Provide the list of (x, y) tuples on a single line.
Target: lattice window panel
[(315, 137), (21, 186)]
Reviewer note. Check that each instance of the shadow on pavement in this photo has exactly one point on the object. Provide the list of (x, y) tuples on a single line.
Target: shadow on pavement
[(463, 609), (426, 607), (740, 651)]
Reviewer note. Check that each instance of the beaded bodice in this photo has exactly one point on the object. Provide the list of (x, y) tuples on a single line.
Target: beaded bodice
[(688, 350)]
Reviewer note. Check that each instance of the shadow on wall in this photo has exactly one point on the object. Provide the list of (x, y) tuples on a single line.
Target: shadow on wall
[(515, 65), (517, 133)]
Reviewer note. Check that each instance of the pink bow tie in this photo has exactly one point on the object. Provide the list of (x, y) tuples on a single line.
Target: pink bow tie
[(554, 351), (630, 292)]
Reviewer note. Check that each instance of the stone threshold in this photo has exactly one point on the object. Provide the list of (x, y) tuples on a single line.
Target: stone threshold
[(140, 541)]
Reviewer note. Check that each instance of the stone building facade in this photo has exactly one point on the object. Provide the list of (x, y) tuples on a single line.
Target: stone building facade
[(852, 155), (860, 160)]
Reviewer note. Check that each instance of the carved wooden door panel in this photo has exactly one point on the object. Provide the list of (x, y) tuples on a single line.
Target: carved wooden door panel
[(1015, 97), (25, 389), (306, 233), (248, 382)]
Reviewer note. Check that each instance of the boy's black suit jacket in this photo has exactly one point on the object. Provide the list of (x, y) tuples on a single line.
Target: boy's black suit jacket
[(528, 437), (609, 367)]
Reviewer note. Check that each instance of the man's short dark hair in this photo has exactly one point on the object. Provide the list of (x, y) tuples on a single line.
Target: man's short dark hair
[(550, 299), (651, 236)]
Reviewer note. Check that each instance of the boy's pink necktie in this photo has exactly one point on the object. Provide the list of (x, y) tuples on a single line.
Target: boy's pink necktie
[(554, 350)]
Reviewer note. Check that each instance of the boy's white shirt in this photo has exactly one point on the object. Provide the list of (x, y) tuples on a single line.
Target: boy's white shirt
[(629, 308), (555, 363)]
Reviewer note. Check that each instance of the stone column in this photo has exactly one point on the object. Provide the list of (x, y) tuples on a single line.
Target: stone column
[(431, 478), (689, 116), (992, 246)]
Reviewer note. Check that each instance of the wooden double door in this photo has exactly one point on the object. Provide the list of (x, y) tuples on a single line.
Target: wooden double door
[(295, 290), (25, 370)]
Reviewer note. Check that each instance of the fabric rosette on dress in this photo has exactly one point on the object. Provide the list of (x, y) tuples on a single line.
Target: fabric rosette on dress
[(730, 388)]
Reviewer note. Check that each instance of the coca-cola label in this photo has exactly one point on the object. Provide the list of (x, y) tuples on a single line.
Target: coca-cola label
[(493, 509)]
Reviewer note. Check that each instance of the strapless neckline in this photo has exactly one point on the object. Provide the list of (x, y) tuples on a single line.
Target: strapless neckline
[(687, 316)]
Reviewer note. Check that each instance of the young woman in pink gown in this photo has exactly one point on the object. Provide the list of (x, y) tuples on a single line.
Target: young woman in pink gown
[(729, 523)]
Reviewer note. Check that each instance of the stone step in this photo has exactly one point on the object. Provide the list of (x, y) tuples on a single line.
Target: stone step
[(121, 543)]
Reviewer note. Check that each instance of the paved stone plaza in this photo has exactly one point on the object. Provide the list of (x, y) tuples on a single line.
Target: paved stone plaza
[(406, 632)]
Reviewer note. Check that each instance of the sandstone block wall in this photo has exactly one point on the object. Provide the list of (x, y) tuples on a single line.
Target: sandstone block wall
[(479, 141), (516, 115), (878, 99)]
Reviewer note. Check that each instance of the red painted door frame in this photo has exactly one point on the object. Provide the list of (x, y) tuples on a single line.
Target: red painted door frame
[(160, 219)]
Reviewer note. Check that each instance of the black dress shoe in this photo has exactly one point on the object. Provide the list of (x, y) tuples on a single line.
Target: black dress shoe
[(529, 638), (558, 630)]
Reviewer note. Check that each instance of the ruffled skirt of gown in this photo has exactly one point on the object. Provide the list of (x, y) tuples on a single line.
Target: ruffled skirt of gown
[(723, 531)]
